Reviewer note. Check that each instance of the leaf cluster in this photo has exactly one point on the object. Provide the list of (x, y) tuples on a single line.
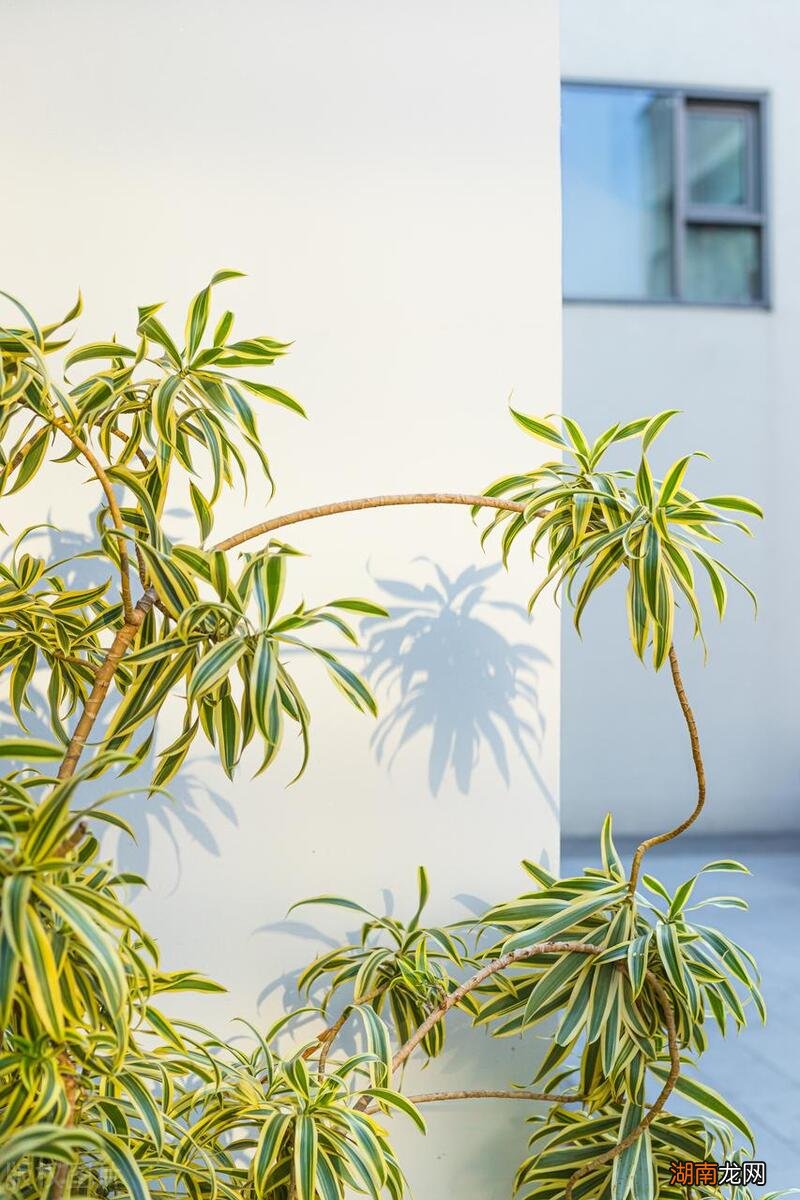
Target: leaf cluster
[(151, 405), (403, 966), (610, 1043), (226, 640), (44, 624), (596, 522), (79, 979)]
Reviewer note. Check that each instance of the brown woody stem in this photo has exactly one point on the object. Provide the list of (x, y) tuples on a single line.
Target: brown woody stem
[(328, 1036), (113, 508), (73, 1096), (343, 506), (102, 682), (128, 631), (491, 968), (488, 1094), (697, 758), (506, 960)]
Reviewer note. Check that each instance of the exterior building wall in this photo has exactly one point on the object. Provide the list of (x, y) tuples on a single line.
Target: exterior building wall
[(734, 375), (388, 177)]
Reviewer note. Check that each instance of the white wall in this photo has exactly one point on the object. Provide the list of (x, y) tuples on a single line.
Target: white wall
[(388, 176), (734, 373)]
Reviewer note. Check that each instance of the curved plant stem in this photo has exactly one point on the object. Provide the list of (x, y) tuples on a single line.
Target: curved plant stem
[(491, 968), (72, 1092), (342, 506), (327, 1044), (506, 960), (658, 1104), (474, 981), (488, 1094), (102, 682), (329, 1035), (697, 758), (113, 508), (127, 632)]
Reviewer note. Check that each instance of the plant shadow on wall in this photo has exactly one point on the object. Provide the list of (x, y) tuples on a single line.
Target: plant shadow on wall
[(287, 984), (446, 670)]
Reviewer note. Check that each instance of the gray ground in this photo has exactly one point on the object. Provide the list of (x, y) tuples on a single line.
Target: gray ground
[(758, 1071)]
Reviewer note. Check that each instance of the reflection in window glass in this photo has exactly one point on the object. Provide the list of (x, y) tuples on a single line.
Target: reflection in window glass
[(717, 154), (722, 264), (618, 186)]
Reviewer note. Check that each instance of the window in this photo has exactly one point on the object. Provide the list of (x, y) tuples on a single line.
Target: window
[(663, 193)]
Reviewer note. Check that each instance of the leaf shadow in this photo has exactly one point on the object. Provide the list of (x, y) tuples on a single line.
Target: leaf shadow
[(448, 671)]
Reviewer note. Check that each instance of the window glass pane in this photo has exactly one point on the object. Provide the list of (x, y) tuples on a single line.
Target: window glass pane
[(717, 157), (722, 264), (617, 189)]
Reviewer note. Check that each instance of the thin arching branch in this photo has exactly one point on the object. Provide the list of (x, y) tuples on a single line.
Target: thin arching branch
[(343, 506), (489, 1094), (498, 964), (697, 758), (328, 1036), (128, 631), (113, 507), (102, 681), (506, 960)]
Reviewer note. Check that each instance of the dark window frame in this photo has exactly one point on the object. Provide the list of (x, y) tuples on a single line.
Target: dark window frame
[(684, 214)]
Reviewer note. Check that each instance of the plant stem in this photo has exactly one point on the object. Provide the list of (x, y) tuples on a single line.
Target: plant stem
[(435, 1097), (506, 960), (102, 682), (491, 968), (697, 758), (342, 506), (72, 1091), (128, 631), (453, 998), (113, 508), (329, 1035), (327, 1043)]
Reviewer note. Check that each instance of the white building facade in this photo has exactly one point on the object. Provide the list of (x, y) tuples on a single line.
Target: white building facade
[(681, 171), (388, 177)]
